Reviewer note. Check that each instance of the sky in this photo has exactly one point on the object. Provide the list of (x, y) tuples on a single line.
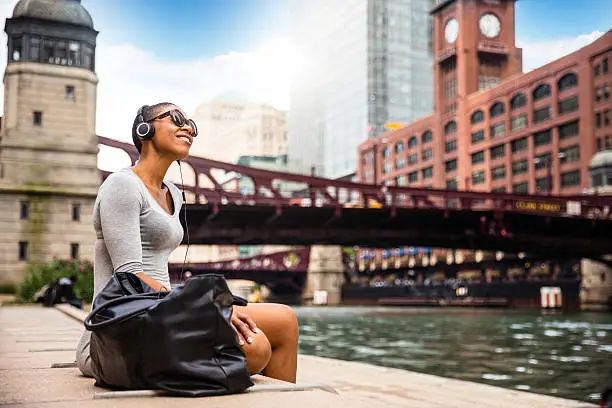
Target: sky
[(189, 51)]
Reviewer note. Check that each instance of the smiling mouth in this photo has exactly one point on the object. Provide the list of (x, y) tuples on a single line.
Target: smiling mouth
[(187, 138)]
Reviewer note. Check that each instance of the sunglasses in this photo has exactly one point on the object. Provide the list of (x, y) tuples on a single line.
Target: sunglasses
[(180, 120)]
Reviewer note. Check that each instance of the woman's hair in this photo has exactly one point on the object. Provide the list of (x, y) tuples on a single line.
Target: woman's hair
[(148, 113)]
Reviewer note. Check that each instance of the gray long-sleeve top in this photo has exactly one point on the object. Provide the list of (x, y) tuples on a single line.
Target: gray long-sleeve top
[(134, 233)]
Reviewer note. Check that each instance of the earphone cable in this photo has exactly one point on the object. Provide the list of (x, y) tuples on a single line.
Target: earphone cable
[(185, 220)]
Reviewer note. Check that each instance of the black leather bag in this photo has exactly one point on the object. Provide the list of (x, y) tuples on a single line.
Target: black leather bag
[(180, 341)]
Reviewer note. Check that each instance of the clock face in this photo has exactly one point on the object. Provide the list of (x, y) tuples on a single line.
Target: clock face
[(451, 30), (489, 24)]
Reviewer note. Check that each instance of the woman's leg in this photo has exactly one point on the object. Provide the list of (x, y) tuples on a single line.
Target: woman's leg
[(258, 352), (279, 324)]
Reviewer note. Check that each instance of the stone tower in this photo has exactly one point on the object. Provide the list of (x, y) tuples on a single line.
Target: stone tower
[(48, 146), (596, 286)]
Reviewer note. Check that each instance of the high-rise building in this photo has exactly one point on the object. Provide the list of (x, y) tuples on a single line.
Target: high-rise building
[(361, 66), (232, 126), (48, 146)]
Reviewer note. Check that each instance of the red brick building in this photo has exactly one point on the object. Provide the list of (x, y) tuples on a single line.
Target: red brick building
[(493, 127)]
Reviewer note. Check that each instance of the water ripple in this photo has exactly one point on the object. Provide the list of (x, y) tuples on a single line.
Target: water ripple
[(556, 354)]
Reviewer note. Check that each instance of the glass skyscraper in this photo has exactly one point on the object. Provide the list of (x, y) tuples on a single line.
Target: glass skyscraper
[(361, 64)]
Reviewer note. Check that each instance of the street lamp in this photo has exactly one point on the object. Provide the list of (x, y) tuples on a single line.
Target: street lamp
[(548, 163)]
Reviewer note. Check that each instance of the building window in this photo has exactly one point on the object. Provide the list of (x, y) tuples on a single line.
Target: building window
[(498, 172), (74, 53), (541, 92), (478, 177), (23, 250), (487, 81), (450, 146), (567, 81), (74, 251), (450, 128), (412, 158), (570, 178), (426, 155), (596, 70), (598, 119), (519, 145), (37, 118), (542, 114), (520, 188), (518, 122), (606, 118), (427, 173), (69, 92), (598, 94), (542, 138), (569, 154), (477, 117), (498, 130), (568, 130), (543, 184), (498, 151), (499, 190), (599, 144), (450, 165), (520, 167), (412, 142), (604, 65), (568, 105), (606, 92), (16, 45), (399, 163), (413, 177), (387, 168), (387, 152), (426, 137), (478, 157), (401, 180), (24, 210), (478, 136), (609, 144), (496, 110), (451, 184), (518, 101), (542, 161)]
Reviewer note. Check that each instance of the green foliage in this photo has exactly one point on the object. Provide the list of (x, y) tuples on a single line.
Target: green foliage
[(45, 274), (9, 288)]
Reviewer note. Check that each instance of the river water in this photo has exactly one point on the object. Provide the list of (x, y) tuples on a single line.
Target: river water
[(561, 354)]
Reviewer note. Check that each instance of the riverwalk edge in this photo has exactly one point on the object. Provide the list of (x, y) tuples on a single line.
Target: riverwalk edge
[(37, 348)]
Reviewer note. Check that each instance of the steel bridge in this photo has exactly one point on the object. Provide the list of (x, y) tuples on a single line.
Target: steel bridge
[(231, 204)]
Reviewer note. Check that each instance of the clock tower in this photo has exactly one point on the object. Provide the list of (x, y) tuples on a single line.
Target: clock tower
[(474, 49)]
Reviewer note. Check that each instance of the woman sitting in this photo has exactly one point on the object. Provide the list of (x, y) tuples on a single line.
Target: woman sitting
[(136, 219)]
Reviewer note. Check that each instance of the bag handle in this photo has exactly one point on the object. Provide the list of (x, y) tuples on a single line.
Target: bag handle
[(124, 299)]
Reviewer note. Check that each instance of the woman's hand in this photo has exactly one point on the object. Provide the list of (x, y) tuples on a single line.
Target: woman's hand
[(244, 325)]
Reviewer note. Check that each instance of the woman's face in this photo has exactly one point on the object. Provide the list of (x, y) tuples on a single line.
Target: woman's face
[(170, 138)]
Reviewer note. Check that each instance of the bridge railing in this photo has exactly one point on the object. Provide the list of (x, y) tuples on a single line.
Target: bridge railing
[(219, 183)]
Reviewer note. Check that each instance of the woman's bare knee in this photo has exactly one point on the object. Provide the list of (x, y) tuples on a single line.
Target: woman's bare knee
[(258, 353)]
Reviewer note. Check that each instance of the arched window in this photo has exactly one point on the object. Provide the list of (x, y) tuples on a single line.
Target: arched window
[(451, 127), (497, 109), (567, 81), (399, 147), (426, 137), (541, 92), (518, 101), (412, 142), (477, 117)]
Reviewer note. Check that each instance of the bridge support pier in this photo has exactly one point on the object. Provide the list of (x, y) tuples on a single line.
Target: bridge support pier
[(325, 274), (596, 285)]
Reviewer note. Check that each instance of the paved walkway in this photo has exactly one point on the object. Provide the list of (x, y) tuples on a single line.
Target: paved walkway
[(37, 347)]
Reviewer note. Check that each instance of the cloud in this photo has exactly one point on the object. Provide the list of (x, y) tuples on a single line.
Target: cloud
[(540, 52), (130, 77)]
